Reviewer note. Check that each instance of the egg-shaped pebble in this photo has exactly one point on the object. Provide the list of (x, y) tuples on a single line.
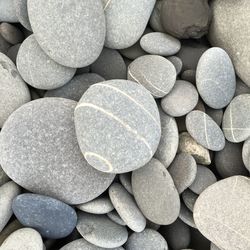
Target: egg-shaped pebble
[(189, 198), (11, 33), (22, 13), (118, 142), (8, 12), (125, 180), (115, 217)]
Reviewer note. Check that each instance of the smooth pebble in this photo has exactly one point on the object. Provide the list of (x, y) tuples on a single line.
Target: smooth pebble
[(189, 198), (241, 87), (115, 217), (8, 11), (176, 61), (11, 33), (155, 19), (3, 177), (245, 156), (13, 51), (125, 180), (215, 114), (9, 229), (189, 75), (22, 13), (187, 216)]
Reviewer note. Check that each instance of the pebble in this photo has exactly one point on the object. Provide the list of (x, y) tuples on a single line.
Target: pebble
[(155, 73), (24, 238), (236, 119), (215, 114), (241, 88), (13, 51), (100, 205), (155, 193), (3, 177), (183, 171), (4, 45), (125, 180), (215, 78), (110, 65), (115, 217), (205, 130), (9, 229), (158, 43), (152, 225), (126, 207), (189, 198), (118, 142), (204, 178), (65, 41), (214, 247), (176, 61), (189, 75), (181, 100), (39, 151), (101, 231), (11, 33), (147, 240), (155, 19), (245, 157), (22, 13), (7, 11), (221, 213), (125, 21), (55, 219), (187, 216), (11, 85)]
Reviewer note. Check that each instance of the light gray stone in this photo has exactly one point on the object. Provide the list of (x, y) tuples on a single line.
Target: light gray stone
[(125, 180), (9, 229), (58, 30), (11, 33), (176, 62), (241, 88), (189, 198), (39, 151), (22, 13), (187, 216), (215, 114), (118, 142), (8, 12), (3, 177), (245, 155), (115, 217), (12, 52), (155, 19), (155, 193)]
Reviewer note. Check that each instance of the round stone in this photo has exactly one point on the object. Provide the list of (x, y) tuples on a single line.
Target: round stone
[(187, 216), (217, 210), (245, 157), (50, 217), (158, 43), (115, 217), (110, 139), (125, 180), (33, 64), (205, 130), (241, 88), (11, 33), (215, 78), (236, 119), (155, 19), (101, 231), (147, 240), (12, 52), (39, 151), (181, 100), (189, 198), (8, 12), (204, 178), (215, 114), (126, 207), (176, 61), (64, 39), (22, 13), (155, 193), (155, 73)]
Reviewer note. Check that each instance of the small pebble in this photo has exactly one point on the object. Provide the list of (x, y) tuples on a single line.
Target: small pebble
[(22, 13), (115, 217), (176, 61), (11, 33), (189, 198), (125, 180), (8, 11), (189, 75), (187, 216)]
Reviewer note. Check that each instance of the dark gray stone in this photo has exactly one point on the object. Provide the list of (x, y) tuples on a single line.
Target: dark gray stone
[(11, 33), (4, 45), (13, 51), (115, 217), (3, 177), (22, 13), (189, 198), (155, 19), (8, 12), (176, 61), (215, 114), (125, 180), (241, 88), (187, 216), (189, 75), (245, 156), (82, 70)]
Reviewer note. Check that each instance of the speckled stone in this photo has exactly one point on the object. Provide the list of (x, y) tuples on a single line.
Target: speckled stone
[(125, 180), (126, 207), (181, 100), (39, 151), (22, 13), (155, 73), (215, 114), (205, 130), (221, 213), (50, 217), (65, 40), (100, 205), (147, 240), (3, 177), (11, 33), (204, 178), (13, 90), (110, 65), (12, 52), (158, 43), (155, 19), (33, 64), (176, 61), (241, 88), (9, 229), (125, 21), (117, 143), (189, 75), (101, 231), (155, 193), (187, 216), (245, 156), (8, 12), (236, 119), (189, 198), (115, 217), (215, 78), (183, 171)]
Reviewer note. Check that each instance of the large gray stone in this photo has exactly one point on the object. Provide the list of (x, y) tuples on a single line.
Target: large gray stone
[(22, 13), (8, 12)]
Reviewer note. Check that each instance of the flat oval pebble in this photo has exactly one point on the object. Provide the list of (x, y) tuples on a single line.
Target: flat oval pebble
[(158, 43), (155, 193), (39, 151), (63, 39), (8, 12), (176, 61), (55, 219), (126, 207), (189, 198), (125, 180), (101, 231), (22, 13), (118, 142), (187, 216), (147, 240), (155, 73), (11, 33), (215, 78), (181, 100), (205, 130), (221, 213), (236, 119), (33, 64), (115, 217)]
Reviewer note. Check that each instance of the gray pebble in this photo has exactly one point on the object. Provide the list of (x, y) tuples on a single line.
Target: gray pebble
[(11, 33), (3, 177), (4, 45), (39, 151), (245, 156), (126, 207), (22, 13), (215, 114), (9, 229), (155, 193), (117, 143), (125, 21), (183, 171), (200, 106), (221, 213), (158, 43), (189, 198), (204, 178), (125, 180), (155, 19), (181, 100), (187, 216), (152, 225), (115, 217), (176, 61), (8, 11), (147, 240), (214, 247), (101, 231), (155, 73), (241, 88), (66, 41), (236, 119), (82, 70), (189, 75), (13, 51), (215, 78), (205, 130), (33, 64)]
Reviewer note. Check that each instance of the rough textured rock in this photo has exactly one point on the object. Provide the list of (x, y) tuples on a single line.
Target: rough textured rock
[(22, 13)]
